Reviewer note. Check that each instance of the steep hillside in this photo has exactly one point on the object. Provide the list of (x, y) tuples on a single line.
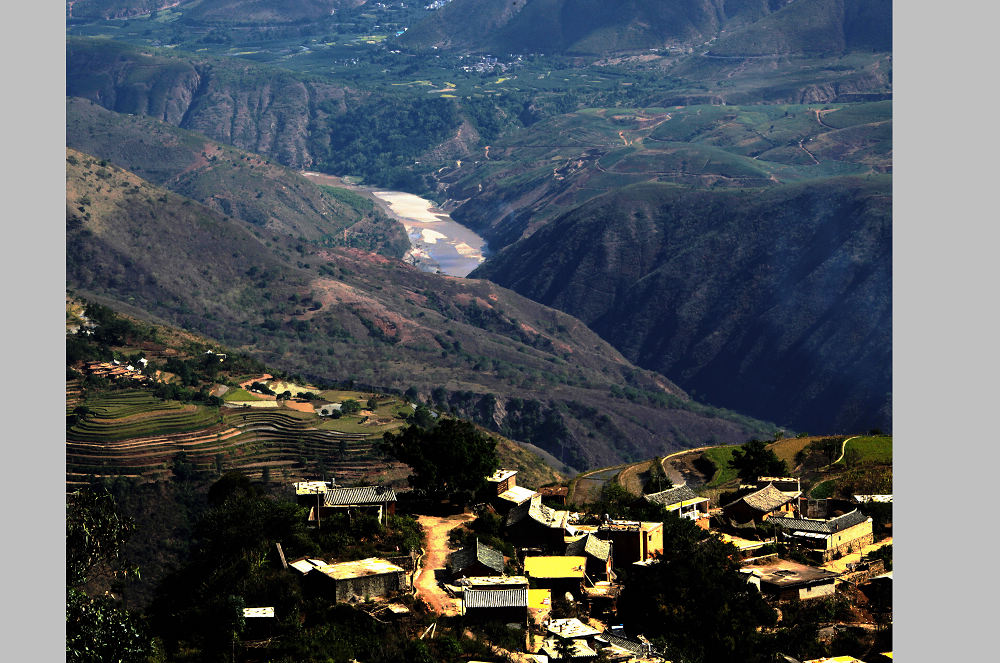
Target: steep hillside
[(105, 9), (230, 181), (813, 27), (527, 371), (776, 302), (264, 110)]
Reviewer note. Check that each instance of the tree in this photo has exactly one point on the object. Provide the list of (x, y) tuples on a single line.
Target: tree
[(696, 586), (754, 459), (449, 461), (350, 406), (99, 629), (658, 479)]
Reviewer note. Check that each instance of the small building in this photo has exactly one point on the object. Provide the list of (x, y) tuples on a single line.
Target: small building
[(475, 560), (786, 580), (538, 526), (507, 604), (580, 651), (556, 494), (560, 573), (826, 539), (598, 554), (759, 505), (684, 502), (259, 623), (633, 541), (502, 480), (379, 499), (310, 493), (363, 579)]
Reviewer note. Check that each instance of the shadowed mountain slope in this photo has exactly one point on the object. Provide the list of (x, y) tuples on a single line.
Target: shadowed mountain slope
[(775, 302)]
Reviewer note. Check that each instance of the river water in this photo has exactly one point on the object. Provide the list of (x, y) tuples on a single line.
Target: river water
[(438, 243)]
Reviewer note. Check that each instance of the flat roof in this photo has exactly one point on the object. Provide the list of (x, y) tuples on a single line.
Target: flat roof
[(784, 572), (487, 581), (628, 525), (258, 612), (571, 628), (517, 494), (500, 475), (555, 566), (311, 487), (372, 566)]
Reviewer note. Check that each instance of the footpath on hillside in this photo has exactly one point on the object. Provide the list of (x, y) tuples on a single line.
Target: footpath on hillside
[(436, 531)]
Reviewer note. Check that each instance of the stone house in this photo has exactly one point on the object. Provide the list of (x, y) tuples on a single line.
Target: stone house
[(784, 580), (825, 539), (684, 502), (633, 541), (475, 560), (760, 505)]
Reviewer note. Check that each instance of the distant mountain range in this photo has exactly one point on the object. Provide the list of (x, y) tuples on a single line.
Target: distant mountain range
[(593, 27)]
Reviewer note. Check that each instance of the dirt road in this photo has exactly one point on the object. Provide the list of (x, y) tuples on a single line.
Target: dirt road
[(840, 565), (436, 530)]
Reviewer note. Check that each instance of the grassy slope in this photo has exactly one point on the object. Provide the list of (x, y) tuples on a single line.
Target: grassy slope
[(374, 320), (231, 181)]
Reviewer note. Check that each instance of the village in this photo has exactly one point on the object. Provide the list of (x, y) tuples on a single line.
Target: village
[(561, 585)]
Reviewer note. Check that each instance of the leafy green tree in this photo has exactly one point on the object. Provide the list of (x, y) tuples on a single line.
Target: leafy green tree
[(754, 459), (658, 479), (99, 629), (449, 461), (696, 587), (350, 406)]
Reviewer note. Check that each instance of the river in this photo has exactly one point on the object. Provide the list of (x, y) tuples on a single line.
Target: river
[(438, 243)]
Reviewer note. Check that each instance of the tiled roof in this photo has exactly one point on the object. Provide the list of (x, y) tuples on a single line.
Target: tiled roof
[(830, 526), (469, 555), (633, 646), (765, 500), (359, 495), (496, 598), (672, 495), (547, 516), (590, 545)]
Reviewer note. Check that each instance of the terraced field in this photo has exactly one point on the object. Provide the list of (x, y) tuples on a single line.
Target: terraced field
[(132, 433)]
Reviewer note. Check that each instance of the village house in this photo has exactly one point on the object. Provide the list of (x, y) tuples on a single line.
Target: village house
[(785, 580), (377, 499), (560, 573), (538, 526), (496, 598), (826, 539), (684, 502), (554, 494), (360, 580), (633, 541), (759, 505), (597, 551), (475, 560)]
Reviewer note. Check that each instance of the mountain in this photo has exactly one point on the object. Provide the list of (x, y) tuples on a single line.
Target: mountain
[(774, 302), (532, 373), (597, 27), (232, 182), (529, 178), (563, 26), (106, 9), (270, 12), (260, 109)]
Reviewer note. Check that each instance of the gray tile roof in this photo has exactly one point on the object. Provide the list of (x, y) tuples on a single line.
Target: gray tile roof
[(360, 495), (765, 500), (469, 555), (672, 495), (590, 546), (831, 526), (547, 516), (496, 598)]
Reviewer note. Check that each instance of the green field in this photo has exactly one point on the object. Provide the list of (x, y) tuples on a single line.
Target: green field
[(239, 395), (869, 449), (720, 456)]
